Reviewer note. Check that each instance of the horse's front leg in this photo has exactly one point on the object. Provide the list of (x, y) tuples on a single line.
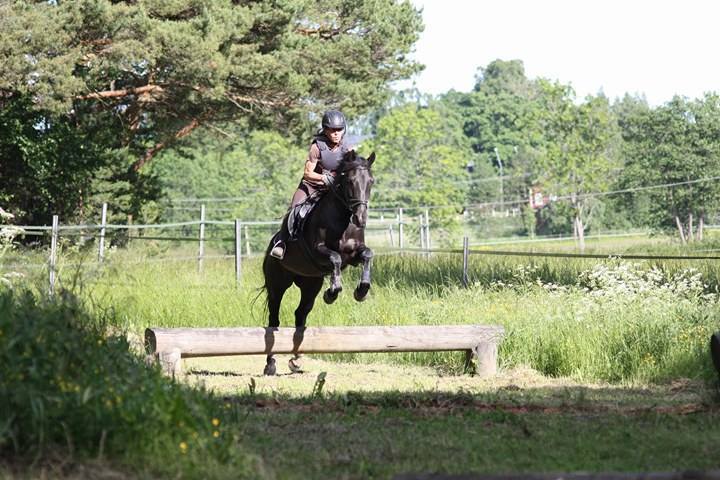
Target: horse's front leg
[(331, 293), (363, 287)]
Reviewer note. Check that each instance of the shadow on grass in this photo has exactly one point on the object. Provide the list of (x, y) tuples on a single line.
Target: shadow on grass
[(679, 399), (380, 434)]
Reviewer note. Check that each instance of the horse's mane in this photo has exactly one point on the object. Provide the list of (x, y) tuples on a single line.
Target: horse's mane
[(352, 160)]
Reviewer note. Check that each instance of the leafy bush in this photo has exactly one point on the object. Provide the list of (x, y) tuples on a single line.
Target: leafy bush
[(66, 385)]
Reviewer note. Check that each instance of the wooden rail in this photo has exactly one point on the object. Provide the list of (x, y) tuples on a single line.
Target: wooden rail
[(170, 345)]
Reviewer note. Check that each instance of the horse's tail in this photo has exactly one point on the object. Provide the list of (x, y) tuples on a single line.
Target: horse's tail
[(264, 288)]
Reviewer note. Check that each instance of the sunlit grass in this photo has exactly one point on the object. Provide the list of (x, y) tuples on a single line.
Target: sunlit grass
[(553, 325)]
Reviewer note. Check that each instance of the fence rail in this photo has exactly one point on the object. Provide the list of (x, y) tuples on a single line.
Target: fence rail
[(394, 226)]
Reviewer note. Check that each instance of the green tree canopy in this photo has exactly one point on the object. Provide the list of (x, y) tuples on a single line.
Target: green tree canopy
[(500, 118), (422, 160), (146, 73), (672, 144), (579, 157)]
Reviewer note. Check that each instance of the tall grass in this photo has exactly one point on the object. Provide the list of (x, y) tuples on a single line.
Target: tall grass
[(559, 319)]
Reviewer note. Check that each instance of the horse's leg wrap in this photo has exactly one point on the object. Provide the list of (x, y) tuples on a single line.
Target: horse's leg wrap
[(331, 293), (270, 367)]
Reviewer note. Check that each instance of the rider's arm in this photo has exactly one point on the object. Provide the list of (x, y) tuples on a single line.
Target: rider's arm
[(310, 175)]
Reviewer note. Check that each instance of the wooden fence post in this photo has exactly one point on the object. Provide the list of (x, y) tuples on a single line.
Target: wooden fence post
[(129, 230), (53, 254), (466, 252), (201, 250), (101, 243), (238, 251)]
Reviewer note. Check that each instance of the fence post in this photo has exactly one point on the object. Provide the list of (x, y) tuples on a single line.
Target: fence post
[(201, 250), (392, 240), (247, 241), (53, 254), (422, 232), (427, 228), (401, 239), (101, 243), (129, 230), (466, 252), (238, 252)]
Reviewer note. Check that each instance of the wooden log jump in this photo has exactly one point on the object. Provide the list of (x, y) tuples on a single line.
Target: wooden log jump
[(170, 345)]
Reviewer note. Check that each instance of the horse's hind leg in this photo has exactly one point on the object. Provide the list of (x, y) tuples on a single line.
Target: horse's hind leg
[(364, 286), (309, 288), (277, 281)]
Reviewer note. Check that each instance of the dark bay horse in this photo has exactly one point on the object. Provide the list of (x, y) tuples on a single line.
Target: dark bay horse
[(333, 237)]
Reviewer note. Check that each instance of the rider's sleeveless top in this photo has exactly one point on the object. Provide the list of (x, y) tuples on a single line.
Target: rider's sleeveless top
[(330, 159)]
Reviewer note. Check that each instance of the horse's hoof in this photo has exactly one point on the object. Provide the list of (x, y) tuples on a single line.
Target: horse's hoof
[(330, 296), (361, 292), (270, 368), (295, 365)]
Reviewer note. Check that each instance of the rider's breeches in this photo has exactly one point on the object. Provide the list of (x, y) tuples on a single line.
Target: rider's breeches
[(303, 191)]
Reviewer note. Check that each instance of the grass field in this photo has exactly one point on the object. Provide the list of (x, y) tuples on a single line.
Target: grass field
[(587, 319), (604, 367)]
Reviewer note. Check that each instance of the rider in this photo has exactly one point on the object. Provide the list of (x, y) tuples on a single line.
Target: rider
[(326, 152)]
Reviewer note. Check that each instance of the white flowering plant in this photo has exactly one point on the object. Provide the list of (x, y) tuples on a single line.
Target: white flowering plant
[(8, 233)]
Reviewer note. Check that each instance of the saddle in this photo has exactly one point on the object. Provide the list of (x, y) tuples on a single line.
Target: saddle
[(298, 215)]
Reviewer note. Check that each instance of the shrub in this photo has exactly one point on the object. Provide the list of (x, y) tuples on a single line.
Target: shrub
[(65, 384)]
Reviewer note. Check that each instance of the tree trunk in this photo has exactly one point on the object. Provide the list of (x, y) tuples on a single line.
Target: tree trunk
[(575, 231), (691, 235), (701, 226), (580, 229), (680, 229)]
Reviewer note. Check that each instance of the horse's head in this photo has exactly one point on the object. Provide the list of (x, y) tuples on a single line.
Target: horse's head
[(356, 181)]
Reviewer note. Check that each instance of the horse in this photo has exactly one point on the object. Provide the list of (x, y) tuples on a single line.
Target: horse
[(332, 238)]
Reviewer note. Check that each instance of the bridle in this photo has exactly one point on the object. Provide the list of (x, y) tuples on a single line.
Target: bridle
[(349, 202)]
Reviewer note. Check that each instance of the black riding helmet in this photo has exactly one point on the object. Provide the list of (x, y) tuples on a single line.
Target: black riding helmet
[(333, 119)]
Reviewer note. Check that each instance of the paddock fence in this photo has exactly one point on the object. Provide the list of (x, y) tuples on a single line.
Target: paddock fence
[(396, 233)]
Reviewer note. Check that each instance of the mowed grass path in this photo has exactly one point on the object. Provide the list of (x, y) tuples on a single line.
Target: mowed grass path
[(380, 420)]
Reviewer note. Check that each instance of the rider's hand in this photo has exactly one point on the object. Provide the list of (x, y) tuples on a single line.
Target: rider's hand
[(328, 179)]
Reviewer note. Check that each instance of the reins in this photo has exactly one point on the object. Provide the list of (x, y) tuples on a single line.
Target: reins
[(350, 203)]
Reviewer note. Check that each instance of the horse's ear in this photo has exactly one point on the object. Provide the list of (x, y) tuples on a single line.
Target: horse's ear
[(371, 158)]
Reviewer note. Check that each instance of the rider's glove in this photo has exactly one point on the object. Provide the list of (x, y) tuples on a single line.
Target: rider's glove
[(328, 179)]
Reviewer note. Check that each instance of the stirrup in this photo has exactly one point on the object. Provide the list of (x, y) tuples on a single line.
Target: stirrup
[(278, 251)]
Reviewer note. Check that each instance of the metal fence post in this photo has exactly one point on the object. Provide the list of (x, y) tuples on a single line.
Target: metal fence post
[(53, 255), (247, 242), (466, 253), (201, 250), (427, 229), (401, 239), (238, 252), (422, 232), (101, 243)]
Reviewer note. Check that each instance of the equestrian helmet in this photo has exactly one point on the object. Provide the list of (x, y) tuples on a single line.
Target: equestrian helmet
[(333, 119)]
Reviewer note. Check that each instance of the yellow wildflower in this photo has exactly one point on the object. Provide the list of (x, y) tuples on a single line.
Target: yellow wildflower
[(216, 434), (215, 422), (183, 447)]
